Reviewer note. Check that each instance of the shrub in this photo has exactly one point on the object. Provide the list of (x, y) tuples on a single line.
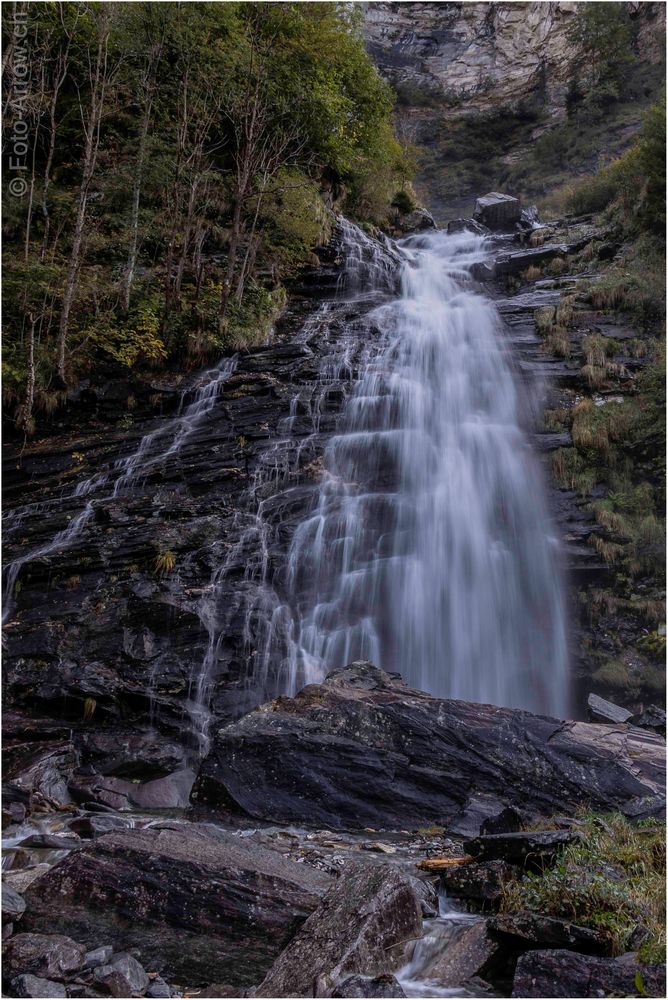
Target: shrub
[(404, 202), (612, 881), (164, 562)]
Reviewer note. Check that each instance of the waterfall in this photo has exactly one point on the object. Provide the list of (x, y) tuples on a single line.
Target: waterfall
[(430, 550)]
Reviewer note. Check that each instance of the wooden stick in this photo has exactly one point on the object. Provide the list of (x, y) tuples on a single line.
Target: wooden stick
[(439, 864)]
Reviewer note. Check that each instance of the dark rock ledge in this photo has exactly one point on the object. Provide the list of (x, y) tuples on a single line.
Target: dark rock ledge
[(363, 750)]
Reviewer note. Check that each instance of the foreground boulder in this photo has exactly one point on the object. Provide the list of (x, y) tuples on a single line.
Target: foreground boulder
[(363, 750), (195, 903), (497, 211), (360, 927), (51, 956), (567, 974), (548, 932)]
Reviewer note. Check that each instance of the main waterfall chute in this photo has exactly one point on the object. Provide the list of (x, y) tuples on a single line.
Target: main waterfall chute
[(430, 550)]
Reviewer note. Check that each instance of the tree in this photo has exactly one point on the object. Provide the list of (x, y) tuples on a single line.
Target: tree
[(601, 34)]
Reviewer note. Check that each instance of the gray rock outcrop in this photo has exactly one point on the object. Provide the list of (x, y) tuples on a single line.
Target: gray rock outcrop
[(363, 750)]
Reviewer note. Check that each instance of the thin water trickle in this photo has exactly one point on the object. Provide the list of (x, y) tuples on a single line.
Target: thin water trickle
[(153, 449)]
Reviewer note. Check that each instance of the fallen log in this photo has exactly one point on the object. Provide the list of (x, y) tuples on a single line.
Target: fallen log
[(438, 864)]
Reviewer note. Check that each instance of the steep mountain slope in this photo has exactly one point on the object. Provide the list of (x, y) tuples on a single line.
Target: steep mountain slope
[(490, 93)]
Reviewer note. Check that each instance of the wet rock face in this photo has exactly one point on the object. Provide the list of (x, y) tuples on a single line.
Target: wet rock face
[(300, 760), (104, 640), (359, 927), (194, 902)]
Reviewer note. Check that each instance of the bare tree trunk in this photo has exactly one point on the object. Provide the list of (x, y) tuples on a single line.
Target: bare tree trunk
[(148, 86), (91, 147), (134, 220), (231, 260), (250, 253), (59, 79), (24, 415)]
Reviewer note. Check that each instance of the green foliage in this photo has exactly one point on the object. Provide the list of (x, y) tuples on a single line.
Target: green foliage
[(601, 34), (404, 201), (222, 126), (613, 882)]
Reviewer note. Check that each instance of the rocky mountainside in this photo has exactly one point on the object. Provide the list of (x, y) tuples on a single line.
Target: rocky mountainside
[(478, 85), (476, 57)]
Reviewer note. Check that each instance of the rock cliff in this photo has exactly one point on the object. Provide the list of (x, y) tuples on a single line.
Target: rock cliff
[(478, 84), (475, 56)]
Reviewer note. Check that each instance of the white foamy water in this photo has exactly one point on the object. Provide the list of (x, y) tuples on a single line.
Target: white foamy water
[(430, 550)]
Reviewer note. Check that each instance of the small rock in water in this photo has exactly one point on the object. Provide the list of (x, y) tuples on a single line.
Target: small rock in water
[(158, 990), (52, 842), (32, 986), (96, 826), (362, 986), (99, 956), (123, 977), (53, 956), (380, 847)]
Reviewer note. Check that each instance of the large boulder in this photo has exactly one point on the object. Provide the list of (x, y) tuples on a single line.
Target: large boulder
[(363, 750), (359, 927), (194, 903), (498, 211), (567, 974)]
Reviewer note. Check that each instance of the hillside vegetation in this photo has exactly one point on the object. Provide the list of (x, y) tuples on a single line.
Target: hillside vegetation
[(180, 160)]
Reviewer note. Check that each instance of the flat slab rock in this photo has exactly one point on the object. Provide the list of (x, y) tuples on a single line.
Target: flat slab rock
[(521, 848), (195, 903), (567, 974), (359, 927), (548, 932), (363, 750)]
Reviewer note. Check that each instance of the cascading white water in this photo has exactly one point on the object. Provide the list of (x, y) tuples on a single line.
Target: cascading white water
[(430, 550)]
